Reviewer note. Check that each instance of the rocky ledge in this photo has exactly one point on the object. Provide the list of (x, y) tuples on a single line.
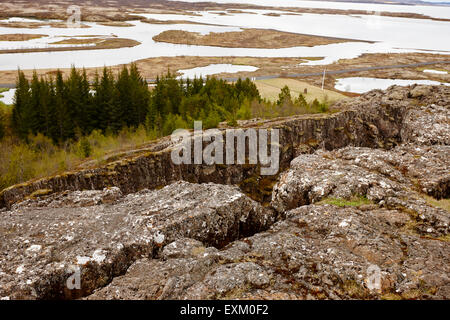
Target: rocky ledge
[(360, 211)]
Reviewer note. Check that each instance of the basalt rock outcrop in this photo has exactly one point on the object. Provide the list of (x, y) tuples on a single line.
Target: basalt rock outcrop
[(375, 120), (358, 211), (44, 242), (394, 178), (318, 252)]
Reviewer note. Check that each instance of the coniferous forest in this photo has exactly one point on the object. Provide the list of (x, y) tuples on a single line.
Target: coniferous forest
[(56, 122), (65, 109)]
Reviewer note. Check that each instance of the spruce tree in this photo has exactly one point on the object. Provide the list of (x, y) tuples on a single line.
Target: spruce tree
[(21, 105), (66, 126), (34, 112), (139, 98), (86, 118), (121, 104), (104, 100)]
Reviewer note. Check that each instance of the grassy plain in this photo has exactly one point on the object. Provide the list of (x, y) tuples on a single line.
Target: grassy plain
[(270, 89), (248, 38)]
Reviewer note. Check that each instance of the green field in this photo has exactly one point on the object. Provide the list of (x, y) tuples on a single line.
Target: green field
[(270, 89)]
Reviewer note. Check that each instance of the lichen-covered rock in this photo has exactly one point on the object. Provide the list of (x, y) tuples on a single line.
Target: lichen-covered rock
[(353, 213), (318, 252), (41, 246), (373, 172), (393, 178), (85, 198), (375, 119), (427, 125)]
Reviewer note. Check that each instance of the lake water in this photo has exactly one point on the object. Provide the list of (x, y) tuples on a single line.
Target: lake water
[(432, 11), (393, 35), (215, 69), (435, 71), (362, 84)]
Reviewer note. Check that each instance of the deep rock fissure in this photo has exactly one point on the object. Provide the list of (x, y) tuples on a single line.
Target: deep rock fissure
[(368, 125)]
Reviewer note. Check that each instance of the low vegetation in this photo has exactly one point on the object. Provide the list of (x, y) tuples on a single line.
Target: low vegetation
[(442, 203), (20, 36), (248, 38), (355, 201), (270, 89), (90, 44), (40, 157)]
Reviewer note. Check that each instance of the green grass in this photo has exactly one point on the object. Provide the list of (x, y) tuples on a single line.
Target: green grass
[(355, 201), (443, 203)]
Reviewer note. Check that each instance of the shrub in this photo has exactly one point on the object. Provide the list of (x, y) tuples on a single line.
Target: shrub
[(84, 148)]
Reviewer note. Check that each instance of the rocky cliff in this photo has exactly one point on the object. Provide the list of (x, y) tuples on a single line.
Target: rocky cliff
[(354, 213)]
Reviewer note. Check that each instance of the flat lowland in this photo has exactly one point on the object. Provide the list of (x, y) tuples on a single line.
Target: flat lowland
[(152, 67), (248, 38), (20, 36), (156, 21), (104, 10), (271, 88), (116, 24), (280, 67), (35, 25), (98, 43)]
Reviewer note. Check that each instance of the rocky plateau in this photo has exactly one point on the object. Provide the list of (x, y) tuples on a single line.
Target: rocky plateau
[(359, 210)]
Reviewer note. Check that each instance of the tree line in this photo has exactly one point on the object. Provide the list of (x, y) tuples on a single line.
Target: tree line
[(66, 109), (56, 122), (63, 109)]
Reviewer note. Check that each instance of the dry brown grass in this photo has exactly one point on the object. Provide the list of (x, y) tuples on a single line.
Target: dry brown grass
[(20, 36), (103, 10), (155, 21), (281, 67), (271, 88), (443, 203), (116, 24), (35, 25), (110, 43), (248, 38)]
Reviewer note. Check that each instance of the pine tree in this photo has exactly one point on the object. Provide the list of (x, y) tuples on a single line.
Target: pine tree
[(45, 111), (139, 98), (53, 129), (285, 96), (86, 117), (73, 100), (34, 112), (21, 106), (104, 100), (66, 126), (301, 101), (121, 102)]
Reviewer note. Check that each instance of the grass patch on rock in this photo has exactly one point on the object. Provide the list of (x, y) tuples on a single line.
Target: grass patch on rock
[(355, 201), (443, 203)]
